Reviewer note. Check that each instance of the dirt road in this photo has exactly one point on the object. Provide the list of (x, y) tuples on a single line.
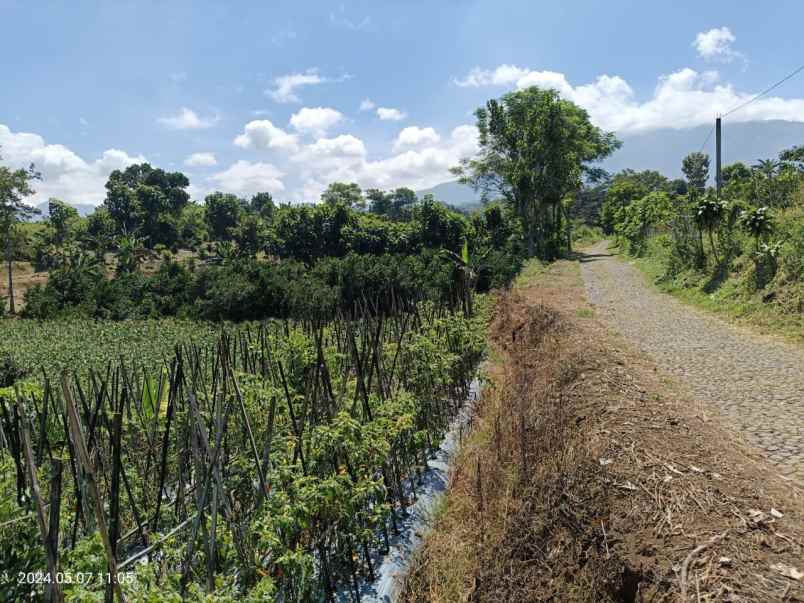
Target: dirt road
[(756, 382)]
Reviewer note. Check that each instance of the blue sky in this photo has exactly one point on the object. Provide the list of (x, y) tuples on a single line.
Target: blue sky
[(267, 96)]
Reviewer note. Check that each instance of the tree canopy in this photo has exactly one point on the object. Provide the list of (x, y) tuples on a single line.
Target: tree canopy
[(15, 185), (148, 201), (534, 149)]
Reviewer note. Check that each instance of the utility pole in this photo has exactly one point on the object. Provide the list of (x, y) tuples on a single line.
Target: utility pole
[(718, 155)]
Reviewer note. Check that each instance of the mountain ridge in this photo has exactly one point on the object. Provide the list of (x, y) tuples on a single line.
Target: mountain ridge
[(663, 150)]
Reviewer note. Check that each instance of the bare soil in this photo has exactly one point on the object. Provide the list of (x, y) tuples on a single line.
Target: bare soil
[(24, 277)]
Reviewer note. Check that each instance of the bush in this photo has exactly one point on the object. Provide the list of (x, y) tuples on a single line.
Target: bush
[(10, 370)]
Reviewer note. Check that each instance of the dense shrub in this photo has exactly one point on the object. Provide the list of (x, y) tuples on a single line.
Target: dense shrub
[(10, 370)]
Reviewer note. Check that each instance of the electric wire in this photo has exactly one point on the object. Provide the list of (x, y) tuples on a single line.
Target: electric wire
[(751, 100)]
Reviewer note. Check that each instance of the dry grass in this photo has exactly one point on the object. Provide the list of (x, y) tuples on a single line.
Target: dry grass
[(24, 277), (586, 478)]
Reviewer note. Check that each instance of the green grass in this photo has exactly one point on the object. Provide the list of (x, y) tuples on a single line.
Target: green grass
[(79, 344), (584, 235), (531, 271), (733, 298)]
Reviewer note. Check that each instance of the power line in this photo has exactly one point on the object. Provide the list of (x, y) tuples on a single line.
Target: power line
[(751, 100), (764, 92), (708, 136)]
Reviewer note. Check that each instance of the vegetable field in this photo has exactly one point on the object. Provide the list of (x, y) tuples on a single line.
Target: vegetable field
[(271, 462), (79, 344)]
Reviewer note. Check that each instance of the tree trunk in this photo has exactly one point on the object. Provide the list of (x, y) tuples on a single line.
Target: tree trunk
[(9, 262), (569, 230), (712, 244)]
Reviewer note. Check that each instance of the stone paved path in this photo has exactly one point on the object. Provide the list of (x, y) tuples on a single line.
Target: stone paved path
[(756, 382)]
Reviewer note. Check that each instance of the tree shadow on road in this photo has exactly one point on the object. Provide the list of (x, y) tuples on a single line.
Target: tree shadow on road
[(584, 258)]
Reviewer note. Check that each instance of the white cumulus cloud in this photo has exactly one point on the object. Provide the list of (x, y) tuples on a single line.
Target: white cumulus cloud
[(285, 86), (390, 114), (65, 174), (367, 104), (502, 75), (344, 145), (715, 44), (315, 120), (201, 160), (187, 119), (414, 136), (344, 158), (261, 134), (248, 178), (683, 99)]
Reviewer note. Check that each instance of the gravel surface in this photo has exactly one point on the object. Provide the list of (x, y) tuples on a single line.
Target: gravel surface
[(756, 382)]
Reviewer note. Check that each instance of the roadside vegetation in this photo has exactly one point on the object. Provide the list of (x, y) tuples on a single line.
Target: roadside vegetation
[(739, 253)]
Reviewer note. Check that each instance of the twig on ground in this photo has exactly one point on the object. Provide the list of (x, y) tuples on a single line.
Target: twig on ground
[(697, 550)]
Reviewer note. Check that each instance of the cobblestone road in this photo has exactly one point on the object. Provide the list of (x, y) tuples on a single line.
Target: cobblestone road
[(755, 381)]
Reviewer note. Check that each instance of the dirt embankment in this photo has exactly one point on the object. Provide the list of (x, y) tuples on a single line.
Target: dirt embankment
[(588, 477)]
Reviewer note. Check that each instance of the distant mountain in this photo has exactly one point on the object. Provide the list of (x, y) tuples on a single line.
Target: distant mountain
[(663, 150), (453, 193), (84, 209)]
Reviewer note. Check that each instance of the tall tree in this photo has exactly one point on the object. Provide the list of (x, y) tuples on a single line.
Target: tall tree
[(62, 217), (344, 193), (379, 202), (263, 204), (147, 200), (534, 149), (696, 169), (794, 155), (15, 185), (223, 213)]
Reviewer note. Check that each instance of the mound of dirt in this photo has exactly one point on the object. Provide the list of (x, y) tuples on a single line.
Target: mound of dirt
[(587, 477)]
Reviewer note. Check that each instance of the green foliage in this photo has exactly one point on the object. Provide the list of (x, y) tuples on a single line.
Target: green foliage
[(338, 499), (583, 234), (79, 344), (696, 169), (709, 212), (222, 213), (639, 217), (755, 231), (20, 545), (436, 227), (62, 218), (534, 149), (10, 370), (263, 205), (192, 226), (130, 253), (622, 192), (394, 204), (147, 201), (15, 185), (757, 222), (343, 193), (100, 230)]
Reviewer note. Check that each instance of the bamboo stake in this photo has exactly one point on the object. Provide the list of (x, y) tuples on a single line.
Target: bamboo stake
[(83, 455), (52, 560)]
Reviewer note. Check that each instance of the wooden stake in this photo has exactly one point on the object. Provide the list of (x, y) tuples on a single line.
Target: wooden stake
[(83, 456), (52, 562)]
